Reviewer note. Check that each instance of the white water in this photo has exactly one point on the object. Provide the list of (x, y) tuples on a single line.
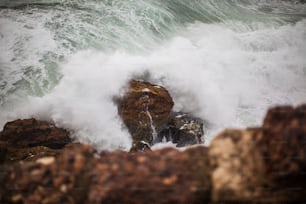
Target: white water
[(227, 73)]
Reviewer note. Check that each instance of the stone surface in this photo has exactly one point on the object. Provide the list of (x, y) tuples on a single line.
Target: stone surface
[(60, 181), (32, 132), (140, 146), (145, 110), (237, 167), (265, 165), (10, 154), (79, 176), (182, 129)]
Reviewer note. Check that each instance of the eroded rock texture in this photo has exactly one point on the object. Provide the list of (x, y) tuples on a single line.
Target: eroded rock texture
[(78, 176), (265, 164), (32, 132), (145, 110), (31, 139)]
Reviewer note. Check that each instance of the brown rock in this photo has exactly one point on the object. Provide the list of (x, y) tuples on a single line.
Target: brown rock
[(31, 132), (264, 165), (285, 117), (78, 176), (15, 154), (164, 176), (59, 181), (144, 105), (237, 167)]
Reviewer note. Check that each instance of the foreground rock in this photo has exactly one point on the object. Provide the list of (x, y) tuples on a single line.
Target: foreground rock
[(77, 176), (263, 165), (145, 110)]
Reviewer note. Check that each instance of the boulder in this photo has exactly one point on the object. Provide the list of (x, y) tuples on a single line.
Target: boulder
[(78, 175), (263, 165), (32, 132), (182, 129), (29, 140), (145, 109)]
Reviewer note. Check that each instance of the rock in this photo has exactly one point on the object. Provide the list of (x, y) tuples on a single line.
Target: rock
[(140, 146), (237, 167), (182, 129), (60, 181), (79, 176), (3, 151), (164, 176), (264, 165), (15, 154), (31, 133), (145, 110), (285, 117), (29, 140)]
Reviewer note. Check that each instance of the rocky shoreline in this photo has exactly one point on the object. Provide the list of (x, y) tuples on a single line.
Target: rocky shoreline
[(39, 163)]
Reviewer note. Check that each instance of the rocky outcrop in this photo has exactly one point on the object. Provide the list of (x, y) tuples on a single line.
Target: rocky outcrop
[(32, 132), (30, 139), (78, 176), (145, 110), (264, 165), (255, 165), (182, 129)]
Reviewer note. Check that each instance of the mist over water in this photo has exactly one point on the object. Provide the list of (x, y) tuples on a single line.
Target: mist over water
[(224, 61)]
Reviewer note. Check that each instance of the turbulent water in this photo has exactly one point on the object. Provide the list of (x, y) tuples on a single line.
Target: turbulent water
[(225, 61)]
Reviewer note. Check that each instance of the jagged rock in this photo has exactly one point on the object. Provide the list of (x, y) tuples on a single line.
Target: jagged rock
[(60, 181), (31, 132), (145, 110), (140, 146), (78, 176), (285, 117), (182, 129), (29, 140), (263, 165)]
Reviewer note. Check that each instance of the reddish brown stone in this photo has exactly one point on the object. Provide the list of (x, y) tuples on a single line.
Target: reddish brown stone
[(164, 176), (31, 132), (61, 181), (285, 117), (78, 176), (140, 100)]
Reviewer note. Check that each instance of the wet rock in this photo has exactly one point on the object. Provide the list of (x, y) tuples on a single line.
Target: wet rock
[(32, 132), (182, 129), (140, 146), (79, 176), (145, 110), (264, 165)]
